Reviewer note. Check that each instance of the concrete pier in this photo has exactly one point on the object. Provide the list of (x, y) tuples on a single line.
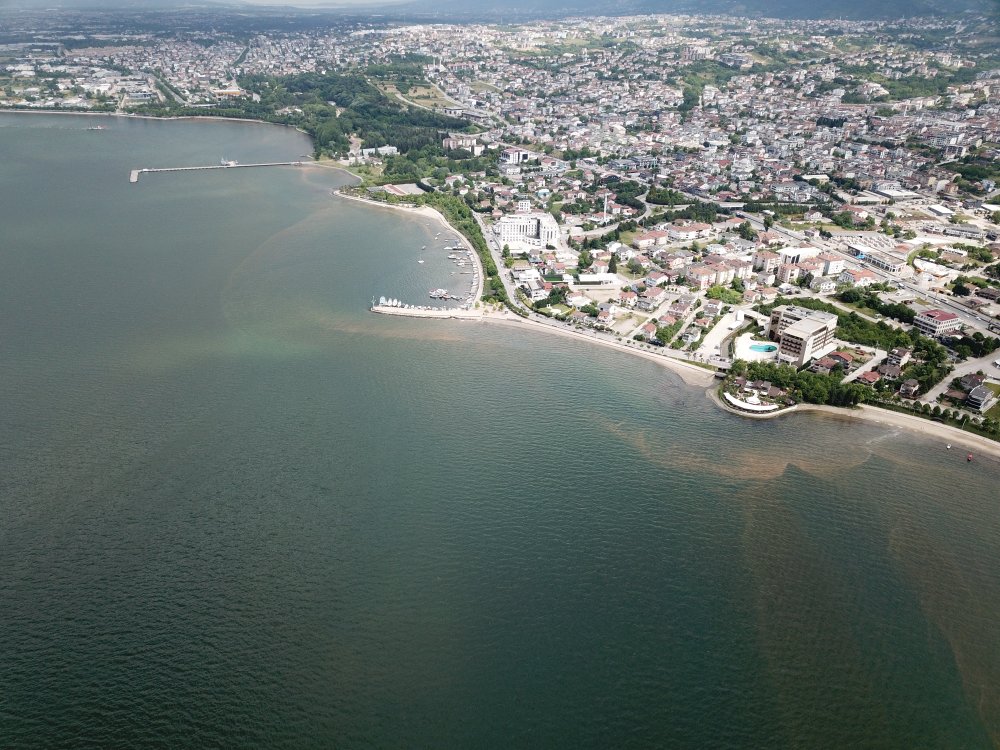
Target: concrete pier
[(434, 312), (134, 174)]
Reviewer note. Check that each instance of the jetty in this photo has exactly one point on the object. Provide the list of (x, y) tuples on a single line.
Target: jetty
[(392, 306), (134, 174), (415, 311)]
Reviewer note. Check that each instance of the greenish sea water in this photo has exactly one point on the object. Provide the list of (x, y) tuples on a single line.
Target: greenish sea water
[(237, 509)]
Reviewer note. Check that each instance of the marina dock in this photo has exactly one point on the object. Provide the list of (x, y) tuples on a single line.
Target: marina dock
[(134, 174)]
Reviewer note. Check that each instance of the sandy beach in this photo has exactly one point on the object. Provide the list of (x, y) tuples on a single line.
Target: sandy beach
[(948, 434), (689, 373)]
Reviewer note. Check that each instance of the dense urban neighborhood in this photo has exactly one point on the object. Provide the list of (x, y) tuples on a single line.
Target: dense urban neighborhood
[(811, 209)]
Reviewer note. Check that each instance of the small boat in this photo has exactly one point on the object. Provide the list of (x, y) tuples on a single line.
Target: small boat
[(969, 457), (420, 261), (96, 127)]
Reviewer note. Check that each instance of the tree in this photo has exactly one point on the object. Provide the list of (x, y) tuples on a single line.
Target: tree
[(613, 264), (768, 222), (960, 290), (719, 292), (746, 231), (635, 266)]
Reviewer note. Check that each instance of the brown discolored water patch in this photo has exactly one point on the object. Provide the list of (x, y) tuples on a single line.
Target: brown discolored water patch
[(964, 605), (804, 615), (759, 464)]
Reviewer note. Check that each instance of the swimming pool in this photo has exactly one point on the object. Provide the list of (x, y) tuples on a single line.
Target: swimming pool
[(763, 348)]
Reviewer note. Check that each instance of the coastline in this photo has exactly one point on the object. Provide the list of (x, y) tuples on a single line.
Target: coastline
[(129, 116), (475, 310), (689, 373), (875, 415)]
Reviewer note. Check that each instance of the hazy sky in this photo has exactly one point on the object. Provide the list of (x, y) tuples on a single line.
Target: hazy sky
[(776, 8)]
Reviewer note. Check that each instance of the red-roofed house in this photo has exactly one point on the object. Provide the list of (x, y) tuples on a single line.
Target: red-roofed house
[(869, 378)]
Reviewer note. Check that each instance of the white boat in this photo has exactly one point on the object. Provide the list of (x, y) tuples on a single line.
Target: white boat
[(420, 261)]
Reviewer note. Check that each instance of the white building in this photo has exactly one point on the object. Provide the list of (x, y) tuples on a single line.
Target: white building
[(794, 255), (514, 156), (801, 333), (537, 229)]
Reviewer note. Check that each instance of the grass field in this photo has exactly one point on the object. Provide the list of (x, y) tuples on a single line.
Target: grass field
[(421, 94), (428, 96), (994, 411)]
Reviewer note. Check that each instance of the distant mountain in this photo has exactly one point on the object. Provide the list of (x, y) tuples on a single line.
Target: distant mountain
[(797, 9), (522, 10)]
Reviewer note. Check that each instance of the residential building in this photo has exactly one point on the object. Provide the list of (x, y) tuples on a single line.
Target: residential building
[(936, 322), (857, 277), (980, 398), (898, 357)]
